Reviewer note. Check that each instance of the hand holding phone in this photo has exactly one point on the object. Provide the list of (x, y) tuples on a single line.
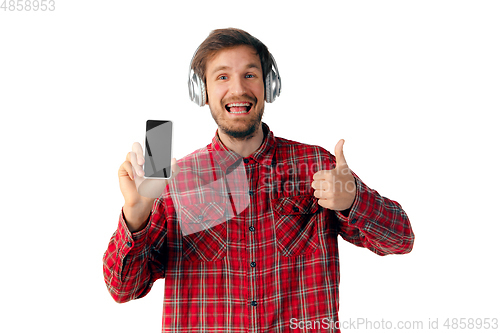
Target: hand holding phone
[(140, 192)]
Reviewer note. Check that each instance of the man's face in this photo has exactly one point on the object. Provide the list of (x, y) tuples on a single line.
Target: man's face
[(235, 88)]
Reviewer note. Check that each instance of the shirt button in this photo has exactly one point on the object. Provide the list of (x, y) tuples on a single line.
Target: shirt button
[(253, 264), (295, 209), (251, 228), (200, 217), (246, 160), (129, 244), (250, 192), (254, 303)]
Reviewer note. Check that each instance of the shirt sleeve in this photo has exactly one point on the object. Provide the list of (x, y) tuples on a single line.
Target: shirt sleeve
[(376, 222), (132, 261)]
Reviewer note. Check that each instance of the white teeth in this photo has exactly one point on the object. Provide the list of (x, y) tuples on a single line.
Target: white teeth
[(238, 104)]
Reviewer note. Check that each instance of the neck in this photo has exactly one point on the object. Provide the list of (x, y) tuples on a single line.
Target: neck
[(244, 146)]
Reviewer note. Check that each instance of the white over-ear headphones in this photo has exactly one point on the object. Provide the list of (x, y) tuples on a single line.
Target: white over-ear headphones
[(198, 92)]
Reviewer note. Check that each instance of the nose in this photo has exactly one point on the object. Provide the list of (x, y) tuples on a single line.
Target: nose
[(237, 86)]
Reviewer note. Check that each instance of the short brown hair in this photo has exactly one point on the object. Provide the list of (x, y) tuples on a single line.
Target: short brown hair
[(225, 38)]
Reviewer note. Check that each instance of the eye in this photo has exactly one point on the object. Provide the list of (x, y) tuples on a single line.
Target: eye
[(249, 76), (222, 77)]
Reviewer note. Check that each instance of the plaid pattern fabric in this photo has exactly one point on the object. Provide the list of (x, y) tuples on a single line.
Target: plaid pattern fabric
[(249, 256)]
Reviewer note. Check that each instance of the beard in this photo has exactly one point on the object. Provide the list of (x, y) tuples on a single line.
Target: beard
[(238, 129)]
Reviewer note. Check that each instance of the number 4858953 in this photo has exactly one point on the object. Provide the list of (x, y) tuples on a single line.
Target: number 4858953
[(28, 5), (471, 323)]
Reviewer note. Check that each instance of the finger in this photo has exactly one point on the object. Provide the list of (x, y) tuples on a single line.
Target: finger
[(137, 149), (339, 153), (320, 203), (127, 180), (322, 175), (324, 203), (132, 158), (323, 194), (126, 170), (322, 185)]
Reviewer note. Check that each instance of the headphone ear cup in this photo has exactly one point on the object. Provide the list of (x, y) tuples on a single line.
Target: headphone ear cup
[(197, 91), (273, 82), (268, 89), (272, 86), (203, 92)]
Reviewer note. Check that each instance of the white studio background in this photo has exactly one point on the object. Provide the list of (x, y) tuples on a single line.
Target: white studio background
[(412, 86)]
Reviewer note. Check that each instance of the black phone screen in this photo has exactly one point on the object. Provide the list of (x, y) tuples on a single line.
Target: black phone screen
[(158, 149)]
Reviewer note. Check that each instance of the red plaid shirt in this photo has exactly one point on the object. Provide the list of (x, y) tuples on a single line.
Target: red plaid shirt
[(255, 256)]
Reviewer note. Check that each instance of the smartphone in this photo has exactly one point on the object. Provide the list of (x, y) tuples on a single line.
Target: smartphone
[(158, 149)]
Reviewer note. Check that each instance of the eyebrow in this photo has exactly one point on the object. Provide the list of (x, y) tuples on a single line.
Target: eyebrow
[(223, 68)]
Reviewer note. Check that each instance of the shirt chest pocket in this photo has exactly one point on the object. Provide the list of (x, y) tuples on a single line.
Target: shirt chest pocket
[(295, 221), (204, 232)]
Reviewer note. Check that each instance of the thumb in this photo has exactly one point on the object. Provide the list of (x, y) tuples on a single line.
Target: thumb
[(339, 153)]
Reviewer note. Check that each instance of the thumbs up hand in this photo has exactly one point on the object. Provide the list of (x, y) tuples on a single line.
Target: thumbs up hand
[(335, 189)]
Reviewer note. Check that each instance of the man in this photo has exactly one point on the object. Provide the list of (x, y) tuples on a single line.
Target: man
[(264, 265)]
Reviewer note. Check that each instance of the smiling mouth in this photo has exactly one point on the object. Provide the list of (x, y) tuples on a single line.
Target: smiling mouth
[(239, 107)]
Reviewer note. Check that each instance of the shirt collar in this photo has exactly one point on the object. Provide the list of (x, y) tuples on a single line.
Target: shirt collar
[(263, 155)]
